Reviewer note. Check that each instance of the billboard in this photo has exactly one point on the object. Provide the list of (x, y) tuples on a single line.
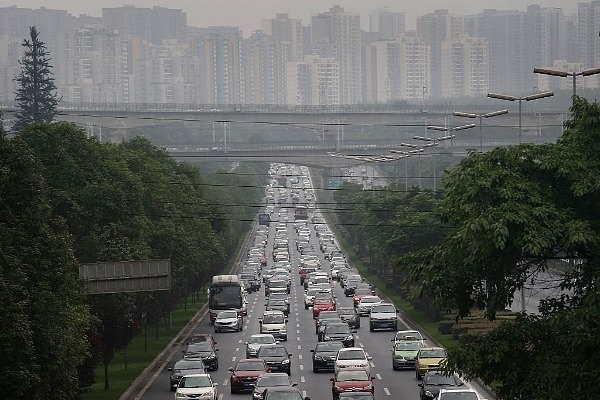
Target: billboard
[(126, 276)]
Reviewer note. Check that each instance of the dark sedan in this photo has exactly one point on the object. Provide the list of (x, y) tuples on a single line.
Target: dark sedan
[(281, 392), (349, 316), (184, 367), (433, 381), (206, 351), (323, 355), (339, 332), (278, 305), (276, 356)]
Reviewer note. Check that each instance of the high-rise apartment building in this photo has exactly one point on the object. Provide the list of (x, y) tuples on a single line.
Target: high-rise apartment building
[(336, 34), (314, 81), (436, 28), (397, 69), (288, 32), (154, 25), (465, 71), (388, 24)]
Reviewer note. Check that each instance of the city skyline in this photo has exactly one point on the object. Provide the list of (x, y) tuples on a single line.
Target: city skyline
[(220, 12)]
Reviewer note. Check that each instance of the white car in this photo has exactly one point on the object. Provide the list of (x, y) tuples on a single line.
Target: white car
[(366, 302), (352, 357), (196, 386), (228, 320), (458, 394), (255, 341), (409, 335)]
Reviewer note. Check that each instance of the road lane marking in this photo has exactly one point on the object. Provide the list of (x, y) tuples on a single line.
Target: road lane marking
[(378, 376), (386, 391), (301, 367), (302, 379), (299, 356)]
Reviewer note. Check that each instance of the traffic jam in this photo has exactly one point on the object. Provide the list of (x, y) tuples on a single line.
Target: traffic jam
[(305, 323)]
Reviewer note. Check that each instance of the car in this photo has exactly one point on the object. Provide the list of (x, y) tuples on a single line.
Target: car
[(404, 353), (283, 393), (383, 316), (228, 320), (309, 296), (270, 379), (206, 351), (458, 394), (245, 373), (323, 315), (324, 354), (255, 341), (429, 359), (410, 335), (352, 357), (277, 357), (274, 285), (356, 396), (351, 380), (349, 316), (280, 305), (196, 386), (350, 285), (183, 367), (275, 323), (202, 337), (339, 331), (322, 302), (433, 381), (323, 324), (279, 296), (359, 293), (364, 305)]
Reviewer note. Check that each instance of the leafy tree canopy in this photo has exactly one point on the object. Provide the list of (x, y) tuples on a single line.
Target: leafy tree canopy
[(514, 211)]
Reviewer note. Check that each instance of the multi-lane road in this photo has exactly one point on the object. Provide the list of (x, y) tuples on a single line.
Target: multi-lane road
[(389, 384)]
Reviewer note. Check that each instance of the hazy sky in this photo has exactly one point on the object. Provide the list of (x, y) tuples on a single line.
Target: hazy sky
[(247, 14)]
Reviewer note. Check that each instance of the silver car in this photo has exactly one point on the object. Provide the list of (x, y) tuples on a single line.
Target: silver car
[(228, 320), (255, 341)]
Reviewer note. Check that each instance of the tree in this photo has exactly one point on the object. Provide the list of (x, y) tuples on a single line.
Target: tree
[(514, 210), (41, 306), (36, 92)]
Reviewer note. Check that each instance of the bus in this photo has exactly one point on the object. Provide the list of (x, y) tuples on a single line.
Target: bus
[(301, 212), (225, 293)]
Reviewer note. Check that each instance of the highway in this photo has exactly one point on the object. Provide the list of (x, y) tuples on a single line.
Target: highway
[(389, 384)]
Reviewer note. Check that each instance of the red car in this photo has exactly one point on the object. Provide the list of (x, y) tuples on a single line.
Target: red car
[(245, 373), (359, 293), (324, 302), (351, 380)]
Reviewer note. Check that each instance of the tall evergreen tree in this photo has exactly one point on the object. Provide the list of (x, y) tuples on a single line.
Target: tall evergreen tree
[(36, 92)]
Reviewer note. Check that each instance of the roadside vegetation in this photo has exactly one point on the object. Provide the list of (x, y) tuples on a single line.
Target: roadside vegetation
[(455, 257)]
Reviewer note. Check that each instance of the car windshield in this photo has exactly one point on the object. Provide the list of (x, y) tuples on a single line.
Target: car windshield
[(329, 315), (267, 351), (439, 379), (202, 346), (273, 319), (323, 300), (458, 396), (261, 339), (273, 380), (338, 328), (370, 300), (384, 309), (359, 375), (432, 353), (351, 355), (188, 364), (356, 396), (407, 346), (194, 382), (250, 366), (325, 346), (345, 310), (283, 396), (360, 291), (277, 284), (227, 314), (277, 303)]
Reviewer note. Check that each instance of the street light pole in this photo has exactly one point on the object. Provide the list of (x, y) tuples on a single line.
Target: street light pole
[(564, 74), (531, 97), (435, 141), (480, 116)]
